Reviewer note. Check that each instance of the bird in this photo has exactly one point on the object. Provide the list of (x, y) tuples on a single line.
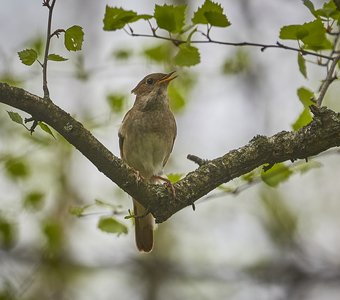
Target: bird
[(146, 139)]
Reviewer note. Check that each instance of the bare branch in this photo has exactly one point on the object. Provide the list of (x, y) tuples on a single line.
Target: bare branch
[(327, 82), (263, 47), (47, 47), (197, 160)]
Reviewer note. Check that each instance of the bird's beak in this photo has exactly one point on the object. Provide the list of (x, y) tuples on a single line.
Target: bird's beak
[(168, 78)]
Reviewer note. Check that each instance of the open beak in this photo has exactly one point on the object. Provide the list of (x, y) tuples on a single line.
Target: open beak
[(168, 78)]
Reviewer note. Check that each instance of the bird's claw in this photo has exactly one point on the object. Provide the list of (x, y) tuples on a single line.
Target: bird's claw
[(168, 183)]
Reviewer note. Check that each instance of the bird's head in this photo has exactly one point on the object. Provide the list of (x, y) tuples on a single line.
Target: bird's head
[(153, 82)]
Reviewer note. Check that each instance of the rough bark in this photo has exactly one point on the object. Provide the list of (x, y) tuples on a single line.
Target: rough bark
[(321, 134)]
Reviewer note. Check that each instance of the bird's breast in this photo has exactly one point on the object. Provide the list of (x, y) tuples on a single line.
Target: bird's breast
[(149, 141)]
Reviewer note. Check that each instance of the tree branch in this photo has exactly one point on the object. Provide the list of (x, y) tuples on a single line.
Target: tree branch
[(321, 134), (263, 47)]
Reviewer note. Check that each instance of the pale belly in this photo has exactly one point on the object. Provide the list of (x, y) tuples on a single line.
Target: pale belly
[(147, 154)]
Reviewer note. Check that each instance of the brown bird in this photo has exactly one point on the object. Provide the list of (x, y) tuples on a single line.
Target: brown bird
[(146, 139)]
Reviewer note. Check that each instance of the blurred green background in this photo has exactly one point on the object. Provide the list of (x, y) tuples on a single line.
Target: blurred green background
[(248, 239)]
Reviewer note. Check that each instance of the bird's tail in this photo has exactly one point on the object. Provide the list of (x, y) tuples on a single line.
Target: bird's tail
[(144, 226)]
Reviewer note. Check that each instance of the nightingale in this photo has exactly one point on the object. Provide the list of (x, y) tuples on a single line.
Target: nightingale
[(146, 139)]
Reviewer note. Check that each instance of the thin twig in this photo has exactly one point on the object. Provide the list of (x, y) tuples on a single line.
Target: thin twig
[(327, 82), (240, 44), (334, 50), (48, 39), (57, 32), (197, 160)]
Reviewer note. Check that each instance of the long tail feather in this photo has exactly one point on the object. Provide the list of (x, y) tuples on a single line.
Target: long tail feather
[(143, 228)]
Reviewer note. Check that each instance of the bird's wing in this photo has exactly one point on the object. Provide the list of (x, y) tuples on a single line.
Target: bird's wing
[(121, 134), (172, 146)]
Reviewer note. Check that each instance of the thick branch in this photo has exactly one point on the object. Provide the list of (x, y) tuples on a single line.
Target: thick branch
[(321, 134)]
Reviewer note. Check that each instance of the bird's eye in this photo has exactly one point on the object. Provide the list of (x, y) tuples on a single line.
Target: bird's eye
[(149, 81)]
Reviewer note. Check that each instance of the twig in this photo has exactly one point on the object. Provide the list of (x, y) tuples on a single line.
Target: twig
[(327, 82), (240, 44), (57, 32), (48, 39), (197, 160), (34, 124)]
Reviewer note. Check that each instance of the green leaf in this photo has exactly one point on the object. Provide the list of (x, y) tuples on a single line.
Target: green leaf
[(302, 65), (77, 211), (73, 38), (54, 235), (142, 17), (177, 101), (116, 18), (304, 119), (56, 57), (309, 4), (7, 233), (34, 200), (312, 34), (316, 38), (226, 189), (111, 225), (217, 19), (116, 102), (28, 56), (174, 177), (45, 128), (159, 53), (249, 177), (210, 13), (122, 54), (238, 63), (330, 9), (281, 223), (11, 79), (15, 117), (187, 56), (306, 97), (337, 4), (16, 168), (170, 18), (293, 32), (303, 168), (276, 174)]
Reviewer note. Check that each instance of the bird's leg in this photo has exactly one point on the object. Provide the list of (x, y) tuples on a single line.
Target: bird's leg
[(167, 183), (139, 177)]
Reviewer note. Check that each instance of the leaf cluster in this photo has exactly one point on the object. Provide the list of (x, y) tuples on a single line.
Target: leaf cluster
[(73, 41), (318, 34), (321, 34), (171, 18)]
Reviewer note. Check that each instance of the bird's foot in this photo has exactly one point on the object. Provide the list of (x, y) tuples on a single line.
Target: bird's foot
[(168, 183), (139, 177)]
